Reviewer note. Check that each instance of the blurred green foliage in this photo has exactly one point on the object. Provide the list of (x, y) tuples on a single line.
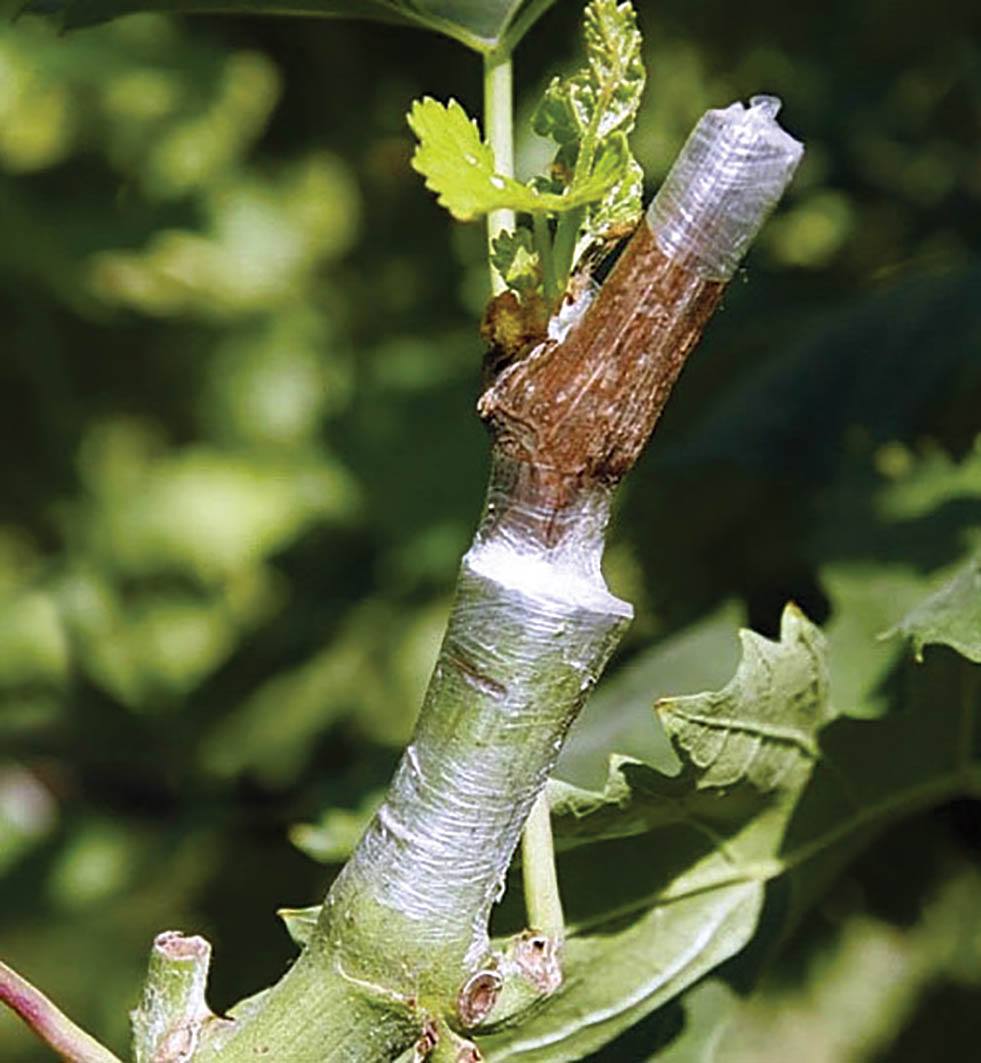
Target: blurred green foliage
[(238, 368)]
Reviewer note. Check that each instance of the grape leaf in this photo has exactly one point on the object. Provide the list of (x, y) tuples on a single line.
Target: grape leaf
[(484, 26), (664, 878), (763, 725), (951, 615), (459, 167), (583, 111), (603, 97), (513, 255)]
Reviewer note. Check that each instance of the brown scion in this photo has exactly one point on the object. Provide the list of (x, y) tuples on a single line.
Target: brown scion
[(576, 413)]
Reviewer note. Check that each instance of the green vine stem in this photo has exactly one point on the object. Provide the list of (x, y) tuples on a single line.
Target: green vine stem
[(543, 245), (401, 948), (50, 1024), (543, 901), (499, 130)]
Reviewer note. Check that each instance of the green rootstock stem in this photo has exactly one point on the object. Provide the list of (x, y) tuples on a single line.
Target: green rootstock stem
[(404, 926), (315, 1014), (499, 130), (531, 629)]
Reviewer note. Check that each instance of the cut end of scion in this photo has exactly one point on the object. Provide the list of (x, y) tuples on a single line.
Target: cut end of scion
[(731, 173)]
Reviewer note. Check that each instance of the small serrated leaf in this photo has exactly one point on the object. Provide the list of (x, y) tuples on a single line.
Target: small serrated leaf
[(459, 167), (514, 257)]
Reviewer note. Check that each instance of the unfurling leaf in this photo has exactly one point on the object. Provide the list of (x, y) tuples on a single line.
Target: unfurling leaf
[(513, 255), (603, 97), (586, 113), (594, 186), (459, 167), (619, 210)]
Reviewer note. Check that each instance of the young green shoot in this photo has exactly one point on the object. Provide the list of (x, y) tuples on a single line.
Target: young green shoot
[(499, 123), (591, 195)]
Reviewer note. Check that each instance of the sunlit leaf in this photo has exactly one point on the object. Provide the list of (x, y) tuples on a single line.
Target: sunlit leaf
[(459, 167)]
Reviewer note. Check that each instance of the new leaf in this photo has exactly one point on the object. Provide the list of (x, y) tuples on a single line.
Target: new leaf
[(583, 112), (459, 167)]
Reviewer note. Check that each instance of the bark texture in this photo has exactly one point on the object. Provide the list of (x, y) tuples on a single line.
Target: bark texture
[(578, 412)]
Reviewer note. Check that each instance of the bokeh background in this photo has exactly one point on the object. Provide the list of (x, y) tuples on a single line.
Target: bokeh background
[(238, 366)]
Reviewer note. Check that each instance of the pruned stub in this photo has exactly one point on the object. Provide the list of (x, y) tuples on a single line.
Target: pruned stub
[(478, 996)]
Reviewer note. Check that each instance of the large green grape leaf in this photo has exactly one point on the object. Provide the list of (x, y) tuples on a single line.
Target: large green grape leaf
[(480, 24), (665, 878), (686, 890)]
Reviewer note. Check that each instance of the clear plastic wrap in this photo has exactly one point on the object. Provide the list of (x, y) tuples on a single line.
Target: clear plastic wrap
[(729, 176)]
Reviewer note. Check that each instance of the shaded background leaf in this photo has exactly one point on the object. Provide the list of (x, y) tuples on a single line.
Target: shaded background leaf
[(482, 25), (951, 616)]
